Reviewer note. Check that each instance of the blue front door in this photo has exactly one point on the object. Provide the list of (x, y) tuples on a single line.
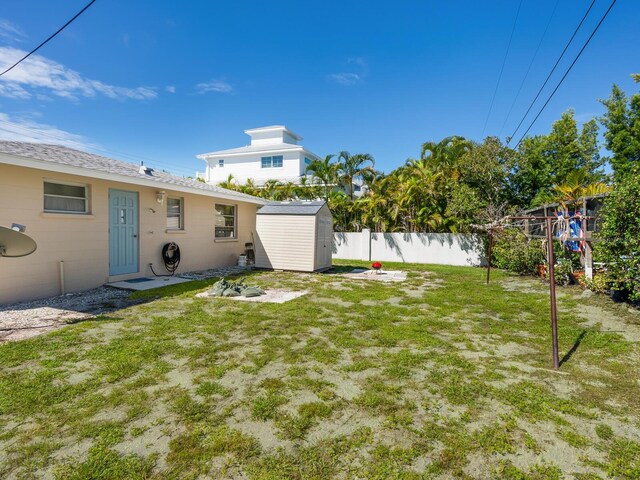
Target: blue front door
[(123, 232)]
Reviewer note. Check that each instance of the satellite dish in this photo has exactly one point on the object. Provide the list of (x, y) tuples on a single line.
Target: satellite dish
[(15, 244)]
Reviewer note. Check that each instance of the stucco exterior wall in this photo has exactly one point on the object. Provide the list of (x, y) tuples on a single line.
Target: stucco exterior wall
[(82, 241), (250, 166)]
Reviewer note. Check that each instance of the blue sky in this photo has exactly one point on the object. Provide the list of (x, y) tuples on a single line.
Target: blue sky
[(165, 80)]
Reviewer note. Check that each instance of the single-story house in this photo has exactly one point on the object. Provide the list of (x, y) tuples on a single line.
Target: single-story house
[(107, 220)]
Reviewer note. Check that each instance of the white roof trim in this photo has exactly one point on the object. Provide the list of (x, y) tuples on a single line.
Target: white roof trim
[(218, 155), (273, 128), (231, 153), (100, 175)]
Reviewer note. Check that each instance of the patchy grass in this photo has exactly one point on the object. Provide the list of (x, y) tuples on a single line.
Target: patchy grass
[(439, 376)]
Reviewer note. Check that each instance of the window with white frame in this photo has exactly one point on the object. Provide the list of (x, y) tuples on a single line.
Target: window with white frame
[(271, 162), (307, 161), (62, 197), (175, 213), (221, 163), (225, 222)]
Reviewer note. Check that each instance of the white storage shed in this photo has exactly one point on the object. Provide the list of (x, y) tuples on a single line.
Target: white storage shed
[(294, 236)]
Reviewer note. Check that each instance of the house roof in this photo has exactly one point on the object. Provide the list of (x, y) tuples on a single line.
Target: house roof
[(292, 208), (266, 148), (75, 162)]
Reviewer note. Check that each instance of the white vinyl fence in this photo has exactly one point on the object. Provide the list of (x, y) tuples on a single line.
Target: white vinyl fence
[(438, 248)]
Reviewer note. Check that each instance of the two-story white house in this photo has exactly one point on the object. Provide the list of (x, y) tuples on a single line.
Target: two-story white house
[(274, 154)]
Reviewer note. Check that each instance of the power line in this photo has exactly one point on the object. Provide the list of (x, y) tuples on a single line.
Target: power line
[(551, 72), (504, 61), (50, 37), (568, 70), (37, 135), (526, 75)]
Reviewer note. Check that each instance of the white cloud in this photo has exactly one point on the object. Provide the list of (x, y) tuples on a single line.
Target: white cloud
[(11, 90), (359, 61), (170, 88), (27, 130), (361, 67), (10, 31), (38, 72), (218, 86), (346, 78)]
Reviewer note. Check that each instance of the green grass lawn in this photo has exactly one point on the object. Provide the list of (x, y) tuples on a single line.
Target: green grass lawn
[(440, 376)]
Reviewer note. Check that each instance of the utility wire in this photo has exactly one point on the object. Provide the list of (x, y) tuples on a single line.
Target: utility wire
[(504, 61), (50, 37), (551, 72), (567, 72), (526, 75)]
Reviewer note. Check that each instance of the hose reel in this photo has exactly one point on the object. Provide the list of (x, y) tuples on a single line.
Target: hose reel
[(170, 258)]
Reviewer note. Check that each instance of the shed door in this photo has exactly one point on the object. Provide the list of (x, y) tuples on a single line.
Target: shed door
[(325, 238), (123, 232)]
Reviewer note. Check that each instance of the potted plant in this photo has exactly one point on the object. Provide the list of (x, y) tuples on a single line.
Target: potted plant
[(619, 290), (578, 275), (542, 270)]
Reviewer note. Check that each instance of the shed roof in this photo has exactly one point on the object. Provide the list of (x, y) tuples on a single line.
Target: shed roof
[(292, 208), (89, 164)]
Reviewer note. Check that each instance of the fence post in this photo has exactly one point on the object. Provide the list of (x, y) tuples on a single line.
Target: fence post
[(365, 249)]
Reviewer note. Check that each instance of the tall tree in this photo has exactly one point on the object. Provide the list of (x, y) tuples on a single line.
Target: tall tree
[(622, 134), (324, 171), (443, 156), (569, 150), (547, 160), (360, 165)]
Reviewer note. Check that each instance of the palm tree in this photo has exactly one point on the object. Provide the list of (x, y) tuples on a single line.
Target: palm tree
[(230, 183), (360, 165), (288, 191), (249, 188), (443, 156), (577, 186), (325, 172), (270, 189), (341, 209)]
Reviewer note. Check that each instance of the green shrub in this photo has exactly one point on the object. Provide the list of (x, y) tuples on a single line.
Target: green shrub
[(564, 272), (598, 283), (566, 262), (513, 251), (619, 245)]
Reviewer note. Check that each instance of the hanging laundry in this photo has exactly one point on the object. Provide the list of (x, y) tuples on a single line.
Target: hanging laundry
[(570, 227)]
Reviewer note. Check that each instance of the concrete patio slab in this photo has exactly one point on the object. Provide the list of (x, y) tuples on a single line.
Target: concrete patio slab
[(380, 276), (146, 283), (273, 295)]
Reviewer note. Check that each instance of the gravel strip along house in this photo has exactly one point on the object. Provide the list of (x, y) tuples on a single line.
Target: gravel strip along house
[(98, 220)]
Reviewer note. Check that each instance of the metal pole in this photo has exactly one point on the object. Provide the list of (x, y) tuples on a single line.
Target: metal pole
[(552, 296), (489, 261)]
